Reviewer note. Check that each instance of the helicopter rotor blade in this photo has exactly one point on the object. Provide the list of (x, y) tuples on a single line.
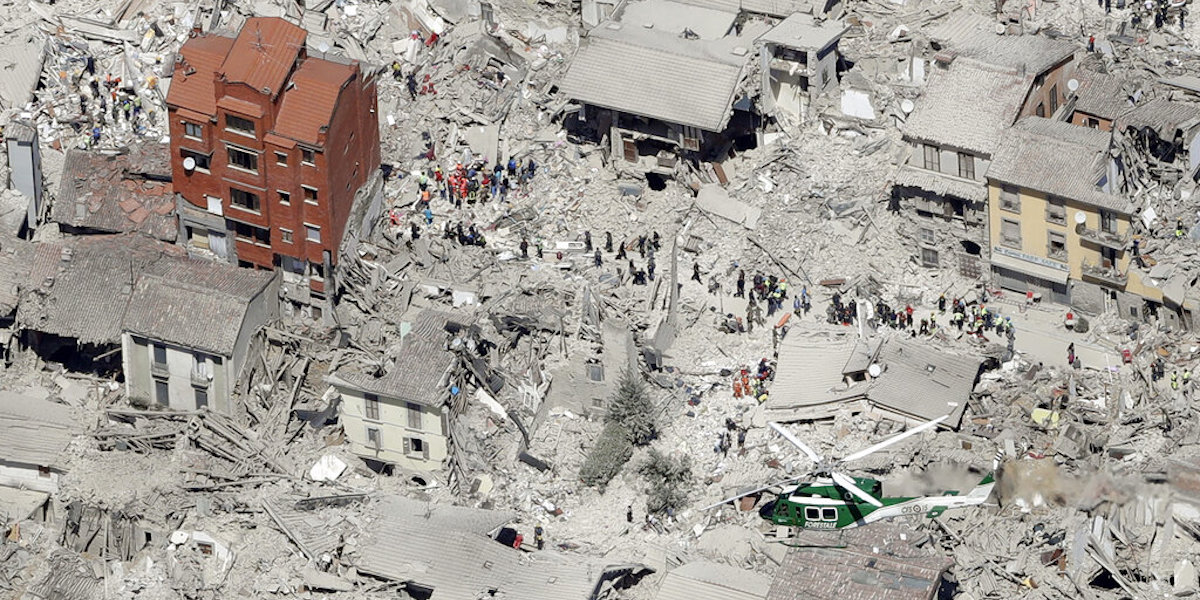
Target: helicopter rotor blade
[(787, 435), (753, 491), (894, 439), (846, 482)]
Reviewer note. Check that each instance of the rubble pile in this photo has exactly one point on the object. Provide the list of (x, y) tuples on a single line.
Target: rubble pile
[(427, 432)]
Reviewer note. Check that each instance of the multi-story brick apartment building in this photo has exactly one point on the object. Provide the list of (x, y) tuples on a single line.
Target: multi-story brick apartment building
[(269, 149)]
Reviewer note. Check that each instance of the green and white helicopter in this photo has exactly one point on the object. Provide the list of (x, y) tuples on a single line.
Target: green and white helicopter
[(833, 500)]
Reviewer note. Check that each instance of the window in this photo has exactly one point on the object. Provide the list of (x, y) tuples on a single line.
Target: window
[(1041, 110), (238, 124), (312, 233), (242, 159), (201, 397), (1053, 98), (285, 235), (929, 258), (203, 161), (200, 365), (249, 233), (414, 415), (416, 446), (215, 206), (281, 158), (205, 548), (1093, 123), (966, 165), (1056, 211), (933, 159), (1010, 233), (44, 472), (928, 235), (193, 131), (1108, 222), (284, 197), (160, 354), (374, 439), (372, 407), (310, 194), (162, 393), (828, 513), (307, 156), (317, 270), (1056, 247), (812, 513), (244, 199), (1010, 199)]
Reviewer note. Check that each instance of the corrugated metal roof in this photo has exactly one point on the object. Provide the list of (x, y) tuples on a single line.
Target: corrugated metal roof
[(923, 383), (1056, 158), (808, 380), (967, 106), (688, 82), (263, 54), (201, 306), (804, 32), (308, 106), (35, 431), (941, 184), (703, 579), (193, 85)]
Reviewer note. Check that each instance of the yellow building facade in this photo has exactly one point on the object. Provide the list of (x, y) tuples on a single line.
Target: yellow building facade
[(1054, 229)]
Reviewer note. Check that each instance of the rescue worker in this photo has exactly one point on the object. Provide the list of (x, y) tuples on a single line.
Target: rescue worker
[(1174, 380)]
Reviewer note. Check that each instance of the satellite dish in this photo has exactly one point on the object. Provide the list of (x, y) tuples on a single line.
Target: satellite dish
[(907, 105), (1080, 217), (189, 164), (874, 370), (1073, 84)]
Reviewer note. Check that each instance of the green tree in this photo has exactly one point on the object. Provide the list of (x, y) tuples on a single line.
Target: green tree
[(632, 409), (604, 461), (668, 478)]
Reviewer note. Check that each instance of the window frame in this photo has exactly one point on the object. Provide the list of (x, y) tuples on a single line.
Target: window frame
[(285, 198), (256, 209), (968, 160), (371, 407), (253, 237), (1054, 206), (932, 158), (1010, 199), (162, 392), (1004, 239), (375, 438), (251, 157), (198, 131), (825, 510), (155, 350), (308, 157), (812, 513), (414, 415), (229, 125), (283, 156), (196, 155), (200, 397), (1051, 237), (311, 194), (286, 235), (311, 231)]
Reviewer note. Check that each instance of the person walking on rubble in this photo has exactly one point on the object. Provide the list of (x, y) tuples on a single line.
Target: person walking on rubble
[(587, 241), (741, 284), (1174, 380), (621, 251), (599, 261), (608, 241), (524, 248), (696, 272)]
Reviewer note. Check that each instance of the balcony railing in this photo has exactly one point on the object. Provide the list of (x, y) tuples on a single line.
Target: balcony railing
[(1108, 275), (199, 379), (1103, 238)]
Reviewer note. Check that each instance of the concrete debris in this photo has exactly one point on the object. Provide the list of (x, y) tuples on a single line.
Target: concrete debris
[(375, 348)]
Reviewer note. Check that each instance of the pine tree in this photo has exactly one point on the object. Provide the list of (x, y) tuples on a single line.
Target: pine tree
[(668, 480), (632, 409)]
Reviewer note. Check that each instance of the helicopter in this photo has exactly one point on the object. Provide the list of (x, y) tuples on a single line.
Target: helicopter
[(833, 500)]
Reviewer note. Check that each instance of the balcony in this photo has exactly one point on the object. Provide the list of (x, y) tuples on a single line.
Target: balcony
[(1103, 238), (1105, 275), (159, 370)]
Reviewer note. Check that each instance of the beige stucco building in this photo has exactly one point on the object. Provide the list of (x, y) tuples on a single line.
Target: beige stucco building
[(400, 417), (1056, 228)]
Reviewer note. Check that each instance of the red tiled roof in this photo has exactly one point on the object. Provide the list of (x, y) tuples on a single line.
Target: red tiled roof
[(308, 105), (201, 56), (264, 53)]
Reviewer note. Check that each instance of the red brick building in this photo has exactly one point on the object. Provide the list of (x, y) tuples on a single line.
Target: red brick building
[(280, 144)]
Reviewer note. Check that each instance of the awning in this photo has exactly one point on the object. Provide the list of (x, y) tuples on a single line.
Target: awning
[(1040, 271)]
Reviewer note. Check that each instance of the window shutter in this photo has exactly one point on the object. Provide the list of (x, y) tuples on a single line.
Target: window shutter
[(425, 450), (407, 445)]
